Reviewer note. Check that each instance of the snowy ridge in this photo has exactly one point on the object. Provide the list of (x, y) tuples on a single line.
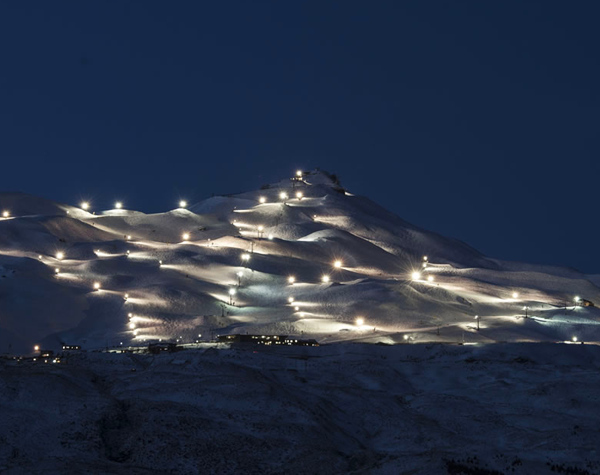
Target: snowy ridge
[(171, 275)]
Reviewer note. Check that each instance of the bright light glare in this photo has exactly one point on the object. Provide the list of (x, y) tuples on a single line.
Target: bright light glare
[(231, 291), (515, 295), (299, 173), (574, 339), (118, 205), (240, 274), (291, 279), (36, 348), (5, 214), (132, 325), (270, 237), (182, 204), (425, 258), (185, 236), (283, 195), (577, 299), (430, 278), (129, 237), (337, 264), (360, 321), (325, 279), (299, 195), (290, 299), (57, 270), (262, 200), (246, 256), (416, 276), (60, 255), (261, 227), (85, 205), (97, 285)]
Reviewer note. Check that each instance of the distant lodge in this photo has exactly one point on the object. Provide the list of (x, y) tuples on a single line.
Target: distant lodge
[(266, 340), (66, 347), (167, 347)]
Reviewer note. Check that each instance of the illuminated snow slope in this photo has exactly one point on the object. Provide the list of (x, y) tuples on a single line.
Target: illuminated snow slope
[(188, 295)]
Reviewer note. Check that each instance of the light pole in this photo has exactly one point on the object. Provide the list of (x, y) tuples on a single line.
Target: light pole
[(477, 320), (245, 258)]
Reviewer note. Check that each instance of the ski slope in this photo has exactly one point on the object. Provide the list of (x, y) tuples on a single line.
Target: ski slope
[(223, 265)]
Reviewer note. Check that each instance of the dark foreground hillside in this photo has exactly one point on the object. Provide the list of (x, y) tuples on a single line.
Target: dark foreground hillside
[(346, 408)]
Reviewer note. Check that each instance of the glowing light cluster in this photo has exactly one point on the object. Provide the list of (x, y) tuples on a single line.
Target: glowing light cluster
[(325, 279), (5, 214), (182, 204), (96, 285), (85, 205), (262, 200), (291, 279), (337, 264), (360, 321), (118, 205), (185, 236), (416, 276)]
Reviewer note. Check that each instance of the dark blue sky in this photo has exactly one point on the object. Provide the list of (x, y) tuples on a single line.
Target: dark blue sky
[(478, 120)]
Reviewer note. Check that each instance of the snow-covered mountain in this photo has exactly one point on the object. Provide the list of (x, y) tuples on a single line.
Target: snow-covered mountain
[(224, 265)]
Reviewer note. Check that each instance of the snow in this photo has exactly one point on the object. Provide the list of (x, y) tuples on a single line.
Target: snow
[(188, 295)]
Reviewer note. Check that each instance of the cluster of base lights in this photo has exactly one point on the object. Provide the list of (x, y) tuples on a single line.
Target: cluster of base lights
[(337, 264)]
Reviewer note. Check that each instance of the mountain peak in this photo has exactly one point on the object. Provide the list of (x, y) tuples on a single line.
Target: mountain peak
[(299, 257)]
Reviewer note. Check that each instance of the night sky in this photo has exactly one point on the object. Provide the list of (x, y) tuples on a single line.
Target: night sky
[(478, 120)]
